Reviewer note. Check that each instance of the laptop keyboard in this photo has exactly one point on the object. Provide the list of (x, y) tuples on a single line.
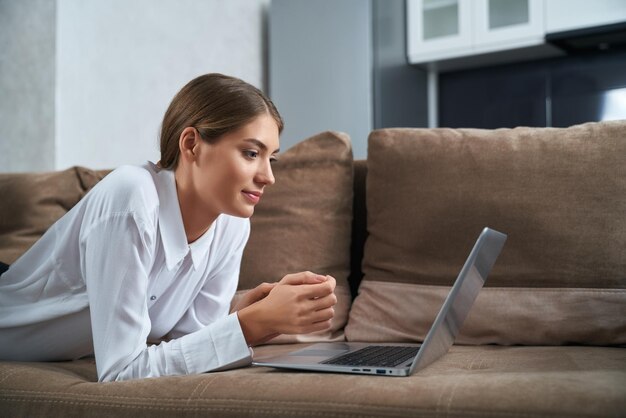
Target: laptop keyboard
[(376, 356)]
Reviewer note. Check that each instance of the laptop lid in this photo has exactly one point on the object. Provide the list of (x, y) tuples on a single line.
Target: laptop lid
[(457, 305)]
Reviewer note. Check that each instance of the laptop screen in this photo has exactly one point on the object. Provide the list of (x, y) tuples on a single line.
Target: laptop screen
[(457, 305)]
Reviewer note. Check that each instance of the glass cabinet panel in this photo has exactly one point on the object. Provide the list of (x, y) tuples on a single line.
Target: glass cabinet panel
[(441, 18), (504, 13), (437, 28), (502, 24)]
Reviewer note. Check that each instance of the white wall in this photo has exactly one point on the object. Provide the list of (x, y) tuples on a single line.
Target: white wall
[(86, 82), (27, 56), (120, 62)]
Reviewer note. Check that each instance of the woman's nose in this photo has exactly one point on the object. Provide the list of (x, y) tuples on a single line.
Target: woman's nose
[(266, 175)]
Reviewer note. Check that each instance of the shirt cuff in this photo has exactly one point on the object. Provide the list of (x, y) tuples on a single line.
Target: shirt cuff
[(218, 346)]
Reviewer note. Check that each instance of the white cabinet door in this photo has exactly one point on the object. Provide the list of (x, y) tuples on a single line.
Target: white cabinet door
[(508, 24), (438, 29), (564, 15)]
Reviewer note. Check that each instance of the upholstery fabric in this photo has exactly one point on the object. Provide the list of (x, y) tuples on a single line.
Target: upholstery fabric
[(560, 195), (469, 381), (37, 200), (304, 222)]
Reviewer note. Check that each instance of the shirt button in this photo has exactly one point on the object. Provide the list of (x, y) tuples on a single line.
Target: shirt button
[(152, 297)]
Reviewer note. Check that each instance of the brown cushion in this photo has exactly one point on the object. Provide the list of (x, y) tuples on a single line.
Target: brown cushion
[(483, 381), (304, 223), (560, 195), (31, 202)]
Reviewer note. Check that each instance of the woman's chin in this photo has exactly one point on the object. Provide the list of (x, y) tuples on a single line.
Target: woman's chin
[(243, 213)]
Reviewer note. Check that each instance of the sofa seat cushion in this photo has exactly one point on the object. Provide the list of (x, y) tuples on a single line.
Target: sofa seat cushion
[(493, 381), (559, 194)]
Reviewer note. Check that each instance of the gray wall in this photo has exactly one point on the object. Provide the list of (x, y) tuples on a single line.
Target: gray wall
[(320, 68), (27, 71), (400, 89), (341, 65)]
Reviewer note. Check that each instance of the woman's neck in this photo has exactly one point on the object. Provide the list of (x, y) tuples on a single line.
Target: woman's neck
[(196, 220)]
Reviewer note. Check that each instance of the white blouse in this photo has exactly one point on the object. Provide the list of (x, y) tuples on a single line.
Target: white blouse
[(116, 273)]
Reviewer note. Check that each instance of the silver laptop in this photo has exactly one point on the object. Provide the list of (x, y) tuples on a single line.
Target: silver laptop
[(404, 359)]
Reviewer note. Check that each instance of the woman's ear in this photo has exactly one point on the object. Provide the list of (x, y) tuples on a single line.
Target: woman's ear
[(187, 143)]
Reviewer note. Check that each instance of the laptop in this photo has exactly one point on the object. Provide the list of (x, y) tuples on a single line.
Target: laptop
[(392, 359)]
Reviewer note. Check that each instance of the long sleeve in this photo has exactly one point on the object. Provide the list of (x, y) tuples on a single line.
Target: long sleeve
[(206, 316), (213, 300), (117, 260)]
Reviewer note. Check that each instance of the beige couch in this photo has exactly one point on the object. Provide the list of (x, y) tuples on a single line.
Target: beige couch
[(545, 337)]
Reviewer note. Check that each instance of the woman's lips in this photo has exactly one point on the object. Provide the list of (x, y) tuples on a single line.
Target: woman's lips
[(253, 197)]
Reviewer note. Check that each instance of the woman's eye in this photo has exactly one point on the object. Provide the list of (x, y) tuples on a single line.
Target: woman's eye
[(273, 160), (251, 154)]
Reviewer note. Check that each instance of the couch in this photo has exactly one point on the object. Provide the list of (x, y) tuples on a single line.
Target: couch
[(546, 336)]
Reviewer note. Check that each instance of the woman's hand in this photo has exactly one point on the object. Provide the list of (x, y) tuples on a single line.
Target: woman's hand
[(299, 304), (253, 295)]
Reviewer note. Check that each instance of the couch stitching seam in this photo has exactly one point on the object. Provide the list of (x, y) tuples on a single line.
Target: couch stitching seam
[(9, 373), (375, 409), (501, 288)]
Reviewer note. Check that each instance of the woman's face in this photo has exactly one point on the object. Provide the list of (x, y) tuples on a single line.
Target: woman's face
[(230, 175)]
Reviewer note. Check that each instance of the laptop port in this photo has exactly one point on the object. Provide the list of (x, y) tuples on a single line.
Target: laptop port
[(379, 371), (367, 370)]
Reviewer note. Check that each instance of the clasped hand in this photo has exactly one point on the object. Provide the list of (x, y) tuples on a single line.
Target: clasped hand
[(299, 304)]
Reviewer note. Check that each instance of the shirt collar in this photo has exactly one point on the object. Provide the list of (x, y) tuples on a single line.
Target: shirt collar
[(171, 225), (201, 247)]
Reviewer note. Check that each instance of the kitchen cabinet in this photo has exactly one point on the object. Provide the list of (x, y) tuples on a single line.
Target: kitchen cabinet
[(567, 15), (445, 29)]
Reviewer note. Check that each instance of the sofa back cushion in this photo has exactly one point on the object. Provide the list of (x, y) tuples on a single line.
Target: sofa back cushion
[(559, 194), (31, 202), (304, 223)]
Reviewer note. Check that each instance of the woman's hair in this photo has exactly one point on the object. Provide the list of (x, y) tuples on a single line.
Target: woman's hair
[(214, 104)]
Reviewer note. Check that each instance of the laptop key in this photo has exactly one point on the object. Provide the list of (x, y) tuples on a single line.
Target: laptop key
[(375, 356)]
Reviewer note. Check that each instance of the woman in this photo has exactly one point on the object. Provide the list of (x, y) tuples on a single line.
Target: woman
[(152, 253)]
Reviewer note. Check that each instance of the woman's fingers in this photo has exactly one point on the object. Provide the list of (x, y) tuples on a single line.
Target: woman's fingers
[(323, 302), (319, 326), (319, 290), (254, 295), (259, 292), (325, 314), (332, 281), (264, 289), (305, 277), (300, 303)]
